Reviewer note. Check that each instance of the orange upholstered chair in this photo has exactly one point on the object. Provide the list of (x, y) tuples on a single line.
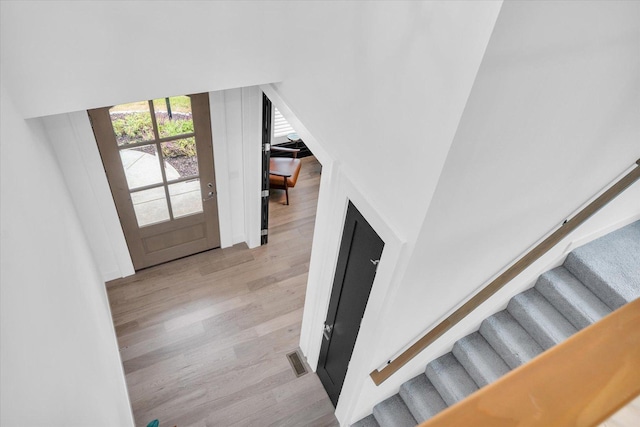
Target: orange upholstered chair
[(284, 171)]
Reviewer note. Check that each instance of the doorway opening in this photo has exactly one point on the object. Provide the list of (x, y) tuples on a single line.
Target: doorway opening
[(158, 158), (286, 159)]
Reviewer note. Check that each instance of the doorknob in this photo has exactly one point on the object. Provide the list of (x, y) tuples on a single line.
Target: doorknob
[(327, 331), (210, 196)]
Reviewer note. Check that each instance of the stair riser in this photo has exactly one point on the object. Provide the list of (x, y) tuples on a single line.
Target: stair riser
[(450, 378), (571, 298), (479, 359), (540, 319), (509, 339), (422, 398)]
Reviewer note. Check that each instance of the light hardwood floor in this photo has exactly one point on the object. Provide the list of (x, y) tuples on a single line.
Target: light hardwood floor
[(204, 339)]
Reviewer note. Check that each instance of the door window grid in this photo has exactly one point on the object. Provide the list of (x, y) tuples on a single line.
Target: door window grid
[(180, 195)]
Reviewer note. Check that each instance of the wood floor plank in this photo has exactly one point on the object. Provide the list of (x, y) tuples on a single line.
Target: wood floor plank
[(203, 314), (305, 416), (236, 412), (157, 339), (204, 339), (291, 319)]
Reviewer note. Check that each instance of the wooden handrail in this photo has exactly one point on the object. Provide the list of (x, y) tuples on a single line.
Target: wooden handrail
[(580, 382), (518, 267)]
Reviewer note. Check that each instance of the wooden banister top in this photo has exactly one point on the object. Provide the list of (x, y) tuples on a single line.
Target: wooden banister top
[(378, 376), (580, 382)]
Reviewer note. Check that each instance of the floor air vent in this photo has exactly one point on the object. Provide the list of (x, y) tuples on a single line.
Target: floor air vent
[(296, 363)]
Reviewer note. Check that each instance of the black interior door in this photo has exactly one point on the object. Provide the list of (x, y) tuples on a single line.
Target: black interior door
[(266, 151), (358, 259)]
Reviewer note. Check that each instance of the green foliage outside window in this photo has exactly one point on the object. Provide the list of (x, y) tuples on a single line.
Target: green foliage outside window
[(135, 127)]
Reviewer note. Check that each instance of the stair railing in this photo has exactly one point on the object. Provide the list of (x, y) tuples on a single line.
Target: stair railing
[(581, 381), (379, 376)]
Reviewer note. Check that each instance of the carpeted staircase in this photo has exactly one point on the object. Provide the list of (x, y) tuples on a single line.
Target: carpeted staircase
[(594, 280)]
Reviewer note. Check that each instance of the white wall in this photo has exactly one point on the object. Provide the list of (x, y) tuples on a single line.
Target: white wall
[(85, 55), (252, 162), (226, 123), (236, 119), (77, 153), (59, 356), (552, 118)]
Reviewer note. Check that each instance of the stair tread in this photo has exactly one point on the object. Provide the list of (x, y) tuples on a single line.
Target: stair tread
[(368, 421), (393, 412), (509, 339), (570, 297), (540, 319), (610, 266), (480, 360), (450, 378), (422, 398)]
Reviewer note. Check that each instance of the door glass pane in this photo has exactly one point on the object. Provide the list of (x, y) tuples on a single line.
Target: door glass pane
[(180, 158), (185, 198), (173, 116), (132, 122), (150, 206), (141, 166)]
